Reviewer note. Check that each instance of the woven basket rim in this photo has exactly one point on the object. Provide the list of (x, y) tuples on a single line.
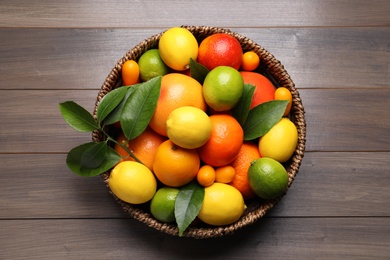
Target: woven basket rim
[(256, 208)]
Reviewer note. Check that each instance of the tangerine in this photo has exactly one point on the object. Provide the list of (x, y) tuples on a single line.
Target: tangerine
[(250, 61), (283, 93), (206, 175), (225, 141), (264, 89), (224, 174), (130, 73)]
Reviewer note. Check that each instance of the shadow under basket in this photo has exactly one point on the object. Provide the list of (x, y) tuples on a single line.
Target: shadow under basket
[(256, 208)]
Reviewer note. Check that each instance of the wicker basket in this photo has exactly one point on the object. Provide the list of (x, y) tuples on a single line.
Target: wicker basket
[(256, 208)]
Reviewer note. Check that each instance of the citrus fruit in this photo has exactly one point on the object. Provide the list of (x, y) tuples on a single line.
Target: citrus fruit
[(249, 152), (267, 178), (222, 205), (222, 88), (151, 65), (220, 49), (175, 166), (250, 61), (177, 90), (132, 182), (280, 141), (225, 141), (264, 89), (224, 174), (283, 93), (206, 175), (188, 127), (143, 146), (177, 46), (130, 73), (162, 205)]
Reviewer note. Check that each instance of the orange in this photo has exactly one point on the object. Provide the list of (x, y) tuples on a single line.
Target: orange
[(264, 89), (177, 90), (143, 147), (250, 61), (248, 153), (206, 175), (175, 166), (283, 93), (224, 174), (220, 50), (225, 141), (130, 73)]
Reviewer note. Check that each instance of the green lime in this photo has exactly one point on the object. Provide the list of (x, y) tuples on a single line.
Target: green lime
[(222, 88), (151, 65), (162, 205), (268, 178)]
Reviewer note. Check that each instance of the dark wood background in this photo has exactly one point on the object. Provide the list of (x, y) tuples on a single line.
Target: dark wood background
[(337, 53)]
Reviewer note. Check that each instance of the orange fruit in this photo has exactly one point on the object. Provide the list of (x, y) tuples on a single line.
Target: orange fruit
[(283, 93), (177, 90), (206, 175), (250, 61), (130, 73), (225, 141), (175, 166), (224, 174), (143, 147), (264, 89), (220, 50), (248, 152)]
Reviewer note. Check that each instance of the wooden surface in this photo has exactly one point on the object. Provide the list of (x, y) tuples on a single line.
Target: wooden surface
[(337, 53)]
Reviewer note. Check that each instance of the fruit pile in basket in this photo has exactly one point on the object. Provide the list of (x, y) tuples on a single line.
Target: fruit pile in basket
[(194, 132)]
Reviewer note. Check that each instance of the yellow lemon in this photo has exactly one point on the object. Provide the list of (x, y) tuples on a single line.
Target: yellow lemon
[(188, 127), (132, 182), (177, 46), (280, 142), (222, 205)]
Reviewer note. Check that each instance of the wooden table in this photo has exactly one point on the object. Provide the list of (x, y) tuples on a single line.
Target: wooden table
[(337, 53)]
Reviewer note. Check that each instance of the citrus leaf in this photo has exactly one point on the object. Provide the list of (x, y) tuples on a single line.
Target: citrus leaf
[(77, 117), (262, 118), (241, 110), (139, 108), (198, 71), (188, 203), (109, 102), (73, 160), (94, 156), (115, 115)]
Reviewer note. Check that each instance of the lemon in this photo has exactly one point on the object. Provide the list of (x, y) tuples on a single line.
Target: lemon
[(267, 178), (132, 182), (151, 65), (177, 46), (222, 88), (280, 141), (188, 127), (222, 205), (162, 205)]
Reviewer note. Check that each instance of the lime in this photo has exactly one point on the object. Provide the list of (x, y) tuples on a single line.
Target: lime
[(188, 127), (267, 178), (222, 88), (132, 182), (151, 65), (222, 205), (162, 205)]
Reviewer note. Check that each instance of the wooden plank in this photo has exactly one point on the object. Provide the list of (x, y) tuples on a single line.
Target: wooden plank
[(328, 184), (272, 238), (114, 13), (29, 116), (82, 58)]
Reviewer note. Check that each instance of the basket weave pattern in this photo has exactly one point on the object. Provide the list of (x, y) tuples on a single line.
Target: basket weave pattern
[(256, 208)]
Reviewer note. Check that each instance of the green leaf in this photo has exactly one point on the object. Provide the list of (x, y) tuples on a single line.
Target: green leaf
[(188, 203), (263, 117), (77, 117), (241, 110), (73, 160), (94, 156), (109, 102), (115, 115), (198, 71), (140, 107)]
